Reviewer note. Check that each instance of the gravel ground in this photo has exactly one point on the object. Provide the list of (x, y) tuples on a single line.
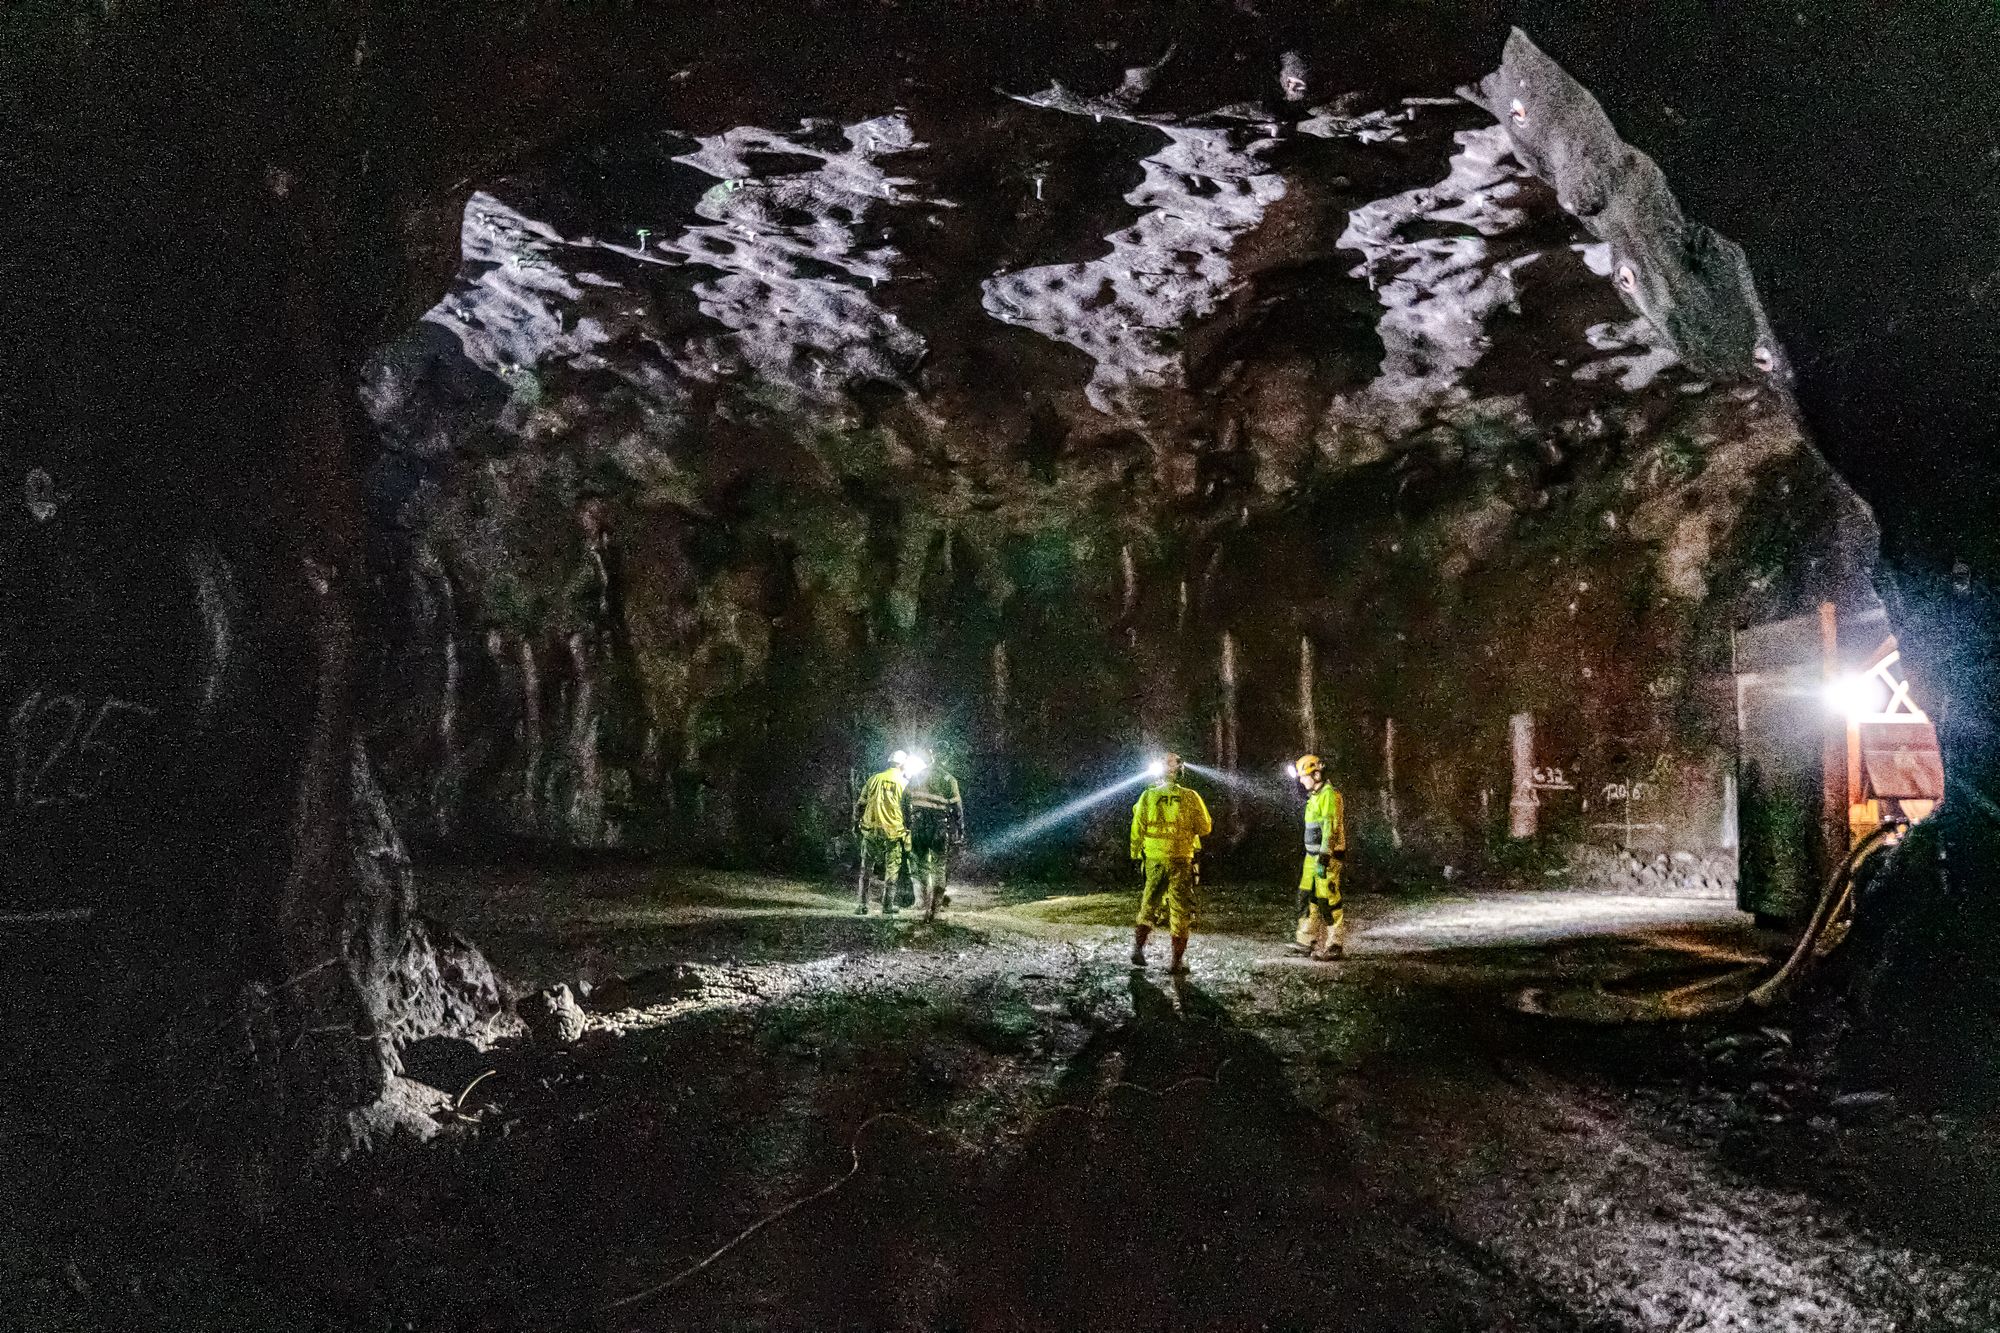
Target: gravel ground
[(781, 1116), (1382, 1143)]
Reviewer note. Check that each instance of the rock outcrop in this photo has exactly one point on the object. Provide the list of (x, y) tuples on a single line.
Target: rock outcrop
[(1369, 431), (214, 217)]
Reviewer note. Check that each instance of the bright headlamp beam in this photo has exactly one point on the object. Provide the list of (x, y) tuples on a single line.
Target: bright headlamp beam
[(1042, 823), (1254, 787)]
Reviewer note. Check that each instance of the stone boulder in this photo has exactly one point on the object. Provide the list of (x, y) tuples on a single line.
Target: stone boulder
[(553, 1017)]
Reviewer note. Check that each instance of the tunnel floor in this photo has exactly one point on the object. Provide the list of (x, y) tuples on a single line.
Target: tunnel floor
[(782, 1116)]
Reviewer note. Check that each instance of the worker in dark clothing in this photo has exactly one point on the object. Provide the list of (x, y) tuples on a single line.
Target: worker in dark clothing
[(934, 814)]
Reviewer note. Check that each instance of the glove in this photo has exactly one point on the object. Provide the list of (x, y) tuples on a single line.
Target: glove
[(1325, 860)]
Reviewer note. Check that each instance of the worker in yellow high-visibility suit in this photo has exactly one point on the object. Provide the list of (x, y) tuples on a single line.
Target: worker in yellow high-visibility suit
[(878, 818), (1168, 825), (1322, 919)]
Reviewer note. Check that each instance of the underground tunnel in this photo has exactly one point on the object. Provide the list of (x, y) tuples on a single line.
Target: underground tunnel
[(613, 609)]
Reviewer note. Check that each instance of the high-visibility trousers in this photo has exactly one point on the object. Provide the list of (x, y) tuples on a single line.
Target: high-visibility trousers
[(882, 855), (1171, 898), (1322, 918)]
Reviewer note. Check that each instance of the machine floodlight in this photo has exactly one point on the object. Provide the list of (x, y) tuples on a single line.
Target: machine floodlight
[(1853, 696)]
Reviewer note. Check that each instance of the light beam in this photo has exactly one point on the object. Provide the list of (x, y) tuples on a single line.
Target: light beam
[(1854, 696), (1034, 828), (1261, 790)]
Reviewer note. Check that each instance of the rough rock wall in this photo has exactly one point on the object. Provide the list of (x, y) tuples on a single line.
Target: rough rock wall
[(1690, 283), (1846, 147), (779, 448), (150, 352)]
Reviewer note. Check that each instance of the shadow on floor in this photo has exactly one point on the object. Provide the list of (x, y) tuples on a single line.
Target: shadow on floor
[(1176, 1182)]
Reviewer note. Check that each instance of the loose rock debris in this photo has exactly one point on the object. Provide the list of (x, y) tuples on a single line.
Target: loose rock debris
[(1029, 1073)]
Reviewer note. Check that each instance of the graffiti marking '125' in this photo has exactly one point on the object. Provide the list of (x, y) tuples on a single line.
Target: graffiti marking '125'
[(59, 757)]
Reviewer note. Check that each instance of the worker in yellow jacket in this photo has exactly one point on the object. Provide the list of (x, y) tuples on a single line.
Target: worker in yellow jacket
[(1168, 825), (885, 839), (1322, 919)]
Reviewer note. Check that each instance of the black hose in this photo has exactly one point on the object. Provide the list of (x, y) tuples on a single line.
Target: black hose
[(1711, 997), (1839, 889)]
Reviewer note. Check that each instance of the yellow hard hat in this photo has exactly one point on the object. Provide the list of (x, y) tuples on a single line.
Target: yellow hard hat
[(1308, 766)]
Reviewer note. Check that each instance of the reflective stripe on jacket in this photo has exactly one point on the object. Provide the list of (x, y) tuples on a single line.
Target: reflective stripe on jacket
[(932, 805), (1169, 822), (1326, 829)]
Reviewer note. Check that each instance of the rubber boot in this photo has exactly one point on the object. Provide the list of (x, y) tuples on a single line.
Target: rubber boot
[(1331, 949)]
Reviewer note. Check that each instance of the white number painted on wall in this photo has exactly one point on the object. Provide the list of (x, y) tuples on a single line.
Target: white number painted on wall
[(1552, 779), (60, 759)]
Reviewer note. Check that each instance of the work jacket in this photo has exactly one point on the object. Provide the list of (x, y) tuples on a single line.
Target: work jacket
[(1169, 823), (933, 807), (1326, 825), (880, 809)]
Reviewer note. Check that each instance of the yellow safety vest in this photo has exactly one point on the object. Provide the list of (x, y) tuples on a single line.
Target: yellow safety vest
[(1326, 830), (1168, 823), (881, 804)]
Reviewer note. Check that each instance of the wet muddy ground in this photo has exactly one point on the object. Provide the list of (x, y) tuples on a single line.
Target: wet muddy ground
[(782, 1116)]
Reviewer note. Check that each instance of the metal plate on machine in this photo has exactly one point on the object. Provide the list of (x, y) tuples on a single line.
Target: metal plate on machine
[(1780, 710), (1903, 772), (1789, 647)]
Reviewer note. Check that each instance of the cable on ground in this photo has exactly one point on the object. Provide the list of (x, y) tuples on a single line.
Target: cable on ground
[(854, 1169)]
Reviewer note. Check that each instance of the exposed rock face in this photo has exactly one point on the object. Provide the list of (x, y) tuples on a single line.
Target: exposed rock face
[(186, 310), (1691, 284), (1861, 188), (792, 250), (444, 987), (1169, 272), (1369, 432)]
